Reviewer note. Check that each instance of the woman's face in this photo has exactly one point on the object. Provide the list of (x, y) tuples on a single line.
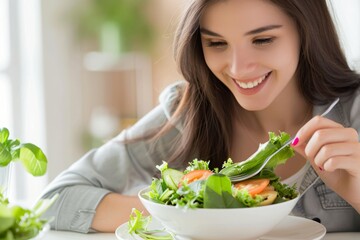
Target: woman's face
[(252, 47)]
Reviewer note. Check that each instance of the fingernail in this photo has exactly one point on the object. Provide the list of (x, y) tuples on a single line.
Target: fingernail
[(295, 141)]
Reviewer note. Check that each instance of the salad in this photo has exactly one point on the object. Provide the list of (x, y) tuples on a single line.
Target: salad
[(198, 186)]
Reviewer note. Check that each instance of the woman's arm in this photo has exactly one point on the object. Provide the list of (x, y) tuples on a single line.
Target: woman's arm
[(115, 210), (87, 199)]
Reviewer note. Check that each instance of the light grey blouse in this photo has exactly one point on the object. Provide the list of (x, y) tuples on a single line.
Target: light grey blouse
[(127, 168)]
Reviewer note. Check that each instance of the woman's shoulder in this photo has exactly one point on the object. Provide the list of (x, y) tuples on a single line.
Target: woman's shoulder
[(170, 97)]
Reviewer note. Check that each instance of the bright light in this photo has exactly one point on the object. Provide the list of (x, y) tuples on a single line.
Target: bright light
[(4, 34), (6, 105)]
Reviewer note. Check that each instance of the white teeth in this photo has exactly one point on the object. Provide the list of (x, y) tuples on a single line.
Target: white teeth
[(251, 84)]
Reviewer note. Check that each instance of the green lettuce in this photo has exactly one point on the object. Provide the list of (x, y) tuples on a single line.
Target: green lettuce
[(138, 224), (218, 193), (264, 150)]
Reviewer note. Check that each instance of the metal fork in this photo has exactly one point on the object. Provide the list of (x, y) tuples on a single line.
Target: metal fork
[(256, 170)]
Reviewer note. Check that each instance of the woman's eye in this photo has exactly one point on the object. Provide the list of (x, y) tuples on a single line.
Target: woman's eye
[(216, 44), (263, 41)]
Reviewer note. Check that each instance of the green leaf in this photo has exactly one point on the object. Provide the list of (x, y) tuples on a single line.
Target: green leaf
[(138, 224), (264, 150), (4, 135), (197, 165), (218, 193), (13, 145), (285, 191), (190, 195), (254, 160), (266, 173), (162, 167), (5, 156), (17, 222), (137, 221), (156, 190), (18, 212), (33, 159), (282, 156), (27, 225), (247, 200), (166, 195)]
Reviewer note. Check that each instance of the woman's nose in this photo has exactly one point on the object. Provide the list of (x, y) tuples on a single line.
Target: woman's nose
[(242, 61)]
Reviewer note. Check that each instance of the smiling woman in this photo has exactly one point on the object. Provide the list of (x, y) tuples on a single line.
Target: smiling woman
[(243, 75)]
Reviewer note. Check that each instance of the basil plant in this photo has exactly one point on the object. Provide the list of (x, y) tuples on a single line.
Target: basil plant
[(31, 157)]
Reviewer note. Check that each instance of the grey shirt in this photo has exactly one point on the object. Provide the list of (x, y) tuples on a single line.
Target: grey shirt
[(127, 168)]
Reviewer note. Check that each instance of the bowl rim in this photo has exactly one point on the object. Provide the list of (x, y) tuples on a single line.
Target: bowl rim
[(146, 189)]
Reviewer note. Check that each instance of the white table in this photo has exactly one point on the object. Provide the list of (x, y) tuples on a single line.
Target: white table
[(60, 235), (342, 236)]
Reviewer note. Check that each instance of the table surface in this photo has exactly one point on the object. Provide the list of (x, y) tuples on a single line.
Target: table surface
[(61, 235)]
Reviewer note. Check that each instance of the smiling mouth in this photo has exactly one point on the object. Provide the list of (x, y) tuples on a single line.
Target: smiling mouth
[(252, 84)]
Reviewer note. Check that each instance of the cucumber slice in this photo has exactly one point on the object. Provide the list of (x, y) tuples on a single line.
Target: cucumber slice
[(172, 178), (166, 195)]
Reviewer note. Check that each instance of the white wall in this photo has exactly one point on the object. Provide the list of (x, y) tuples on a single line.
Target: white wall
[(68, 86), (347, 17), (63, 87)]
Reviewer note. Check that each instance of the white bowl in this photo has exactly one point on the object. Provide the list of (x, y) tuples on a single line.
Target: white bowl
[(227, 223)]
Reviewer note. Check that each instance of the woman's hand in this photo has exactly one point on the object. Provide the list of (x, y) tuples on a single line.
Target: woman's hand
[(114, 210), (334, 153)]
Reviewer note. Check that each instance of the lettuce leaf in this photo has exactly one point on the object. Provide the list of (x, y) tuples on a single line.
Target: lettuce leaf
[(218, 193), (264, 150), (138, 224)]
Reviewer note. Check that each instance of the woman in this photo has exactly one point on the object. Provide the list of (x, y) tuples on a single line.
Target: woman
[(251, 66)]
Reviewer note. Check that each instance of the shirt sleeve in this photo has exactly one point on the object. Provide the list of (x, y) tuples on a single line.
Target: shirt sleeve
[(113, 167)]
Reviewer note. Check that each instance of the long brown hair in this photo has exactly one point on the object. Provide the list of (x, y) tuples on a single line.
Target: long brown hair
[(207, 105)]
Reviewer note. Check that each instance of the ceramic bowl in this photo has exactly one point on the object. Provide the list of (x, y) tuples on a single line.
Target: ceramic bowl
[(221, 223)]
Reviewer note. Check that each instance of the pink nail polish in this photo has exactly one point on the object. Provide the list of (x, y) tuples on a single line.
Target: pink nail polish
[(295, 141)]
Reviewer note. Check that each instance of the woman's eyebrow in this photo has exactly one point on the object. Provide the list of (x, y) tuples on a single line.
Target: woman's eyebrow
[(208, 32), (252, 32), (262, 29)]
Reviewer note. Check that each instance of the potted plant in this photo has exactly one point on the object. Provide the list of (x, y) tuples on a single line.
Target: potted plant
[(17, 222), (117, 25)]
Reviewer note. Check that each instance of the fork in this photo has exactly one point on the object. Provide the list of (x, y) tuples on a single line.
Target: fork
[(256, 170)]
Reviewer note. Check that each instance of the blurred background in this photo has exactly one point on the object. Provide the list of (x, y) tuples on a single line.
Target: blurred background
[(75, 73)]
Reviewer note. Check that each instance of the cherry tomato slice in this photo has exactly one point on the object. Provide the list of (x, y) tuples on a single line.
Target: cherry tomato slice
[(254, 186), (196, 175)]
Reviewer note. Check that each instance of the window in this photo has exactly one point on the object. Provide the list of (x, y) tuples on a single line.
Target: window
[(347, 19), (4, 33), (5, 87), (21, 104)]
